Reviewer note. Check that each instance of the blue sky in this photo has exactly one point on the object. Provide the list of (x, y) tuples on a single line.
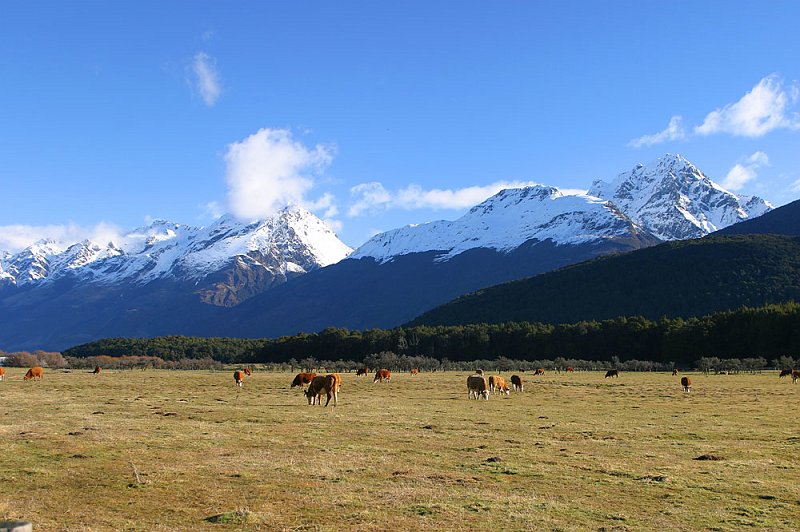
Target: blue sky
[(376, 114)]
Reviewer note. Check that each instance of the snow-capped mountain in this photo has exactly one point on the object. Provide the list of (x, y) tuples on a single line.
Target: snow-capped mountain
[(673, 200), (265, 252), (506, 221)]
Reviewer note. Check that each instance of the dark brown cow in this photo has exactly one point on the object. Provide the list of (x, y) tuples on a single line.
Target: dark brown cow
[(414, 371), (238, 377), (382, 375), (96, 370), (674, 372), (795, 376), (362, 371), (785, 372), (477, 387), (612, 373), (329, 384), (34, 374), (302, 379), (516, 383), (539, 371), (686, 382)]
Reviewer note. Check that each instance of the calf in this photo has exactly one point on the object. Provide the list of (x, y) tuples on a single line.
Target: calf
[(570, 369), (302, 378), (382, 375), (539, 371), (34, 374), (686, 382), (612, 373), (96, 370), (674, 372), (516, 383), (362, 371), (248, 371), (477, 387), (414, 371), (2, 374), (497, 384)]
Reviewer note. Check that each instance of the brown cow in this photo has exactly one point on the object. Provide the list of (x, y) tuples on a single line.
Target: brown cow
[(2, 374), (570, 369), (497, 384), (516, 383), (686, 382), (785, 372), (795, 376), (362, 371), (238, 377), (302, 378), (34, 374), (329, 384), (414, 371), (539, 371), (612, 373), (381, 375), (96, 370), (674, 372), (477, 387), (248, 371)]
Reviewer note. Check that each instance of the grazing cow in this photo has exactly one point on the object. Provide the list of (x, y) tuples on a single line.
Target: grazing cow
[(414, 371), (570, 369), (539, 371), (674, 372), (612, 373), (34, 374), (2, 374), (302, 379), (382, 375), (477, 387), (329, 384), (785, 372), (686, 382), (498, 384), (516, 383), (795, 376), (362, 371), (238, 377), (248, 371), (96, 370), (478, 372)]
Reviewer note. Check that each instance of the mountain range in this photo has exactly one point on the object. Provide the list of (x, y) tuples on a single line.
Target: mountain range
[(290, 273)]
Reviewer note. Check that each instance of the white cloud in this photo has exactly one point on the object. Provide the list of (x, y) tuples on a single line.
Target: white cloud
[(373, 197), (206, 78), (269, 170), (15, 238), (674, 131), (745, 171), (765, 108), (212, 209)]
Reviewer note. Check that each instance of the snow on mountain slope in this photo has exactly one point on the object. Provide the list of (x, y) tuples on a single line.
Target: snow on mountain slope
[(674, 200), (294, 240), (504, 222)]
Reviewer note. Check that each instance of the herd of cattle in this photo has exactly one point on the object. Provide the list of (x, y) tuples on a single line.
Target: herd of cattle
[(477, 385)]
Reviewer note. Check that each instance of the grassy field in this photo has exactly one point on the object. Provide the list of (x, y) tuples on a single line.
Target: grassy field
[(188, 450)]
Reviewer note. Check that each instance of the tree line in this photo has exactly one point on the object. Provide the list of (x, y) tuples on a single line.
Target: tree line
[(768, 332)]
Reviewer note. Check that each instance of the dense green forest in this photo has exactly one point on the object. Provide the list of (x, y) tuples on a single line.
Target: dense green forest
[(770, 331), (687, 278)]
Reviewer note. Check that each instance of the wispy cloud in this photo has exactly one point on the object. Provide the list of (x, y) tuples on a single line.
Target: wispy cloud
[(770, 105), (674, 131), (15, 238), (765, 108), (206, 78), (270, 170), (374, 197), (745, 171)]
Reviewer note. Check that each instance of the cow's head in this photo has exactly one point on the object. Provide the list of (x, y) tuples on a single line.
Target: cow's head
[(485, 394)]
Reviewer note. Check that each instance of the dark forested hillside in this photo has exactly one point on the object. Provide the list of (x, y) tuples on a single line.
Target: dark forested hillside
[(781, 221), (686, 278)]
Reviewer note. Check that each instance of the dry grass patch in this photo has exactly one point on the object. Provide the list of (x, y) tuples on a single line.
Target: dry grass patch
[(189, 450)]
